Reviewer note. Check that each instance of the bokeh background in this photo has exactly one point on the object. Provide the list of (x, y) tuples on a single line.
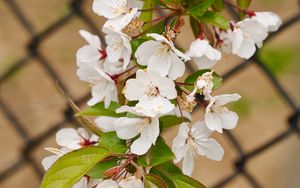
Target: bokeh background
[(32, 109)]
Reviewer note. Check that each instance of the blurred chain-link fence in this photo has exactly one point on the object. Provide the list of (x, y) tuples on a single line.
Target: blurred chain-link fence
[(76, 12)]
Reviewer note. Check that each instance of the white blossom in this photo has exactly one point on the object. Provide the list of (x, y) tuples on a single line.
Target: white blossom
[(92, 52), (204, 85), (118, 13), (204, 55), (269, 19), (188, 143), (131, 182), (75, 139), (153, 92), (48, 161), (118, 47), (128, 128), (217, 116), (86, 182), (160, 55), (245, 35), (102, 86)]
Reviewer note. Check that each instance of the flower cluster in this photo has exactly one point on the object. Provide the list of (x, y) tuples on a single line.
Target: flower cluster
[(137, 95)]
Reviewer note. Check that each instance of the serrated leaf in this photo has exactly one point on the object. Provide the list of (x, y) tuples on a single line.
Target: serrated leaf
[(99, 110), (216, 19), (183, 181), (99, 168), (171, 120), (68, 169), (158, 154), (113, 143), (156, 180), (192, 78), (198, 10)]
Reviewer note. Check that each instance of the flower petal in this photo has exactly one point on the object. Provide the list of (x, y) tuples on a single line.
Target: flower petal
[(68, 137), (188, 164), (106, 123), (128, 128)]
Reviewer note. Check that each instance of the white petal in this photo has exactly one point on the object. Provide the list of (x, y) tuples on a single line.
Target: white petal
[(109, 183), (87, 53), (204, 63), (132, 110), (198, 48), (83, 133), (131, 182), (47, 162), (152, 130), (200, 130), (119, 23), (229, 119), (145, 51), (82, 183), (128, 128), (93, 40), (213, 122), (177, 68), (210, 148), (226, 98), (253, 29), (179, 147), (135, 89), (105, 123), (158, 37), (109, 9), (166, 88), (188, 164), (160, 62), (68, 137), (141, 145), (247, 48), (268, 19)]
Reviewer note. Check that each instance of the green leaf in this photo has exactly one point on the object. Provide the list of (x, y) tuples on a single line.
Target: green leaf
[(100, 110), (171, 120), (198, 10), (156, 180), (68, 169), (216, 19), (169, 166), (175, 4), (218, 5), (158, 154), (243, 4), (146, 16), (165, 172), (113, 143), (99, 168), (163, 175), (183, 181), (192, 78)]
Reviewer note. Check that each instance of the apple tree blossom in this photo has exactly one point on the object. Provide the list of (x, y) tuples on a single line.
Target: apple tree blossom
[(140, 88)]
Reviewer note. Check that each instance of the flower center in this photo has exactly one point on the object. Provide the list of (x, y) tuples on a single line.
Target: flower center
[(152, 91), (219, 109), (161, 51)]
